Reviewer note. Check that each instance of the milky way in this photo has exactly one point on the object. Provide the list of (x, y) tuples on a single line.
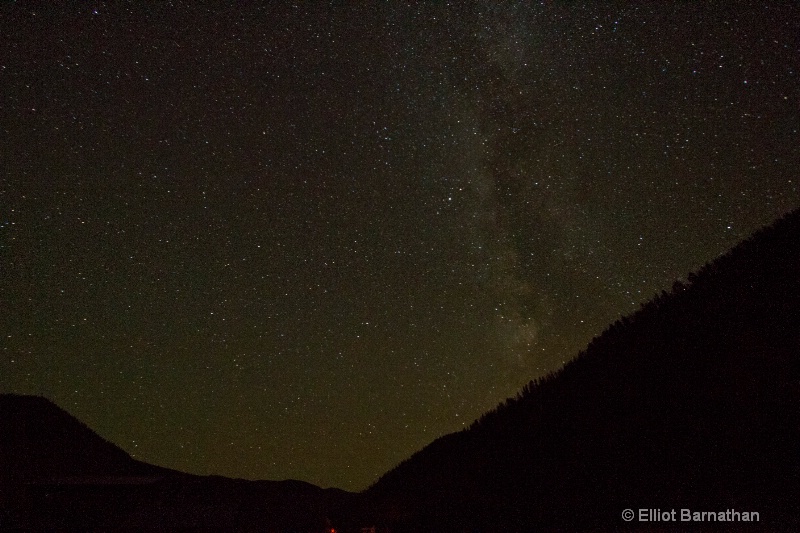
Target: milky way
[(305, 241)]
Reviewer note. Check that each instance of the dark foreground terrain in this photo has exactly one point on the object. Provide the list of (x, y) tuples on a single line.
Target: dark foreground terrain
[(691, 403), (57, 474)]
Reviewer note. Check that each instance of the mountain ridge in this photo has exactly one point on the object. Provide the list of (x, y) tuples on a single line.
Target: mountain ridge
[(56, 473), (692, 402), (47, 444), (694, 394)]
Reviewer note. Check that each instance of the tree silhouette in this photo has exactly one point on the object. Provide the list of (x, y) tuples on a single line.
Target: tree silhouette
[(691, 402)]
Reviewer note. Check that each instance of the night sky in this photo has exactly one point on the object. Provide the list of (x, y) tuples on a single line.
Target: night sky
[(303, 241)]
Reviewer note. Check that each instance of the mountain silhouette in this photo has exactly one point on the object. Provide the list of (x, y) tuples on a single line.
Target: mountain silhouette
[(57, 474), (693, 402), (40, 442)]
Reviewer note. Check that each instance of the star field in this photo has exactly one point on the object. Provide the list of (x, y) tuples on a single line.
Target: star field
[(303, 241)]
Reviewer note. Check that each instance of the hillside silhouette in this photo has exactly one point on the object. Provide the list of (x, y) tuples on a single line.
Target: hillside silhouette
[(57, 474), (42, 443), (691, 402)]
